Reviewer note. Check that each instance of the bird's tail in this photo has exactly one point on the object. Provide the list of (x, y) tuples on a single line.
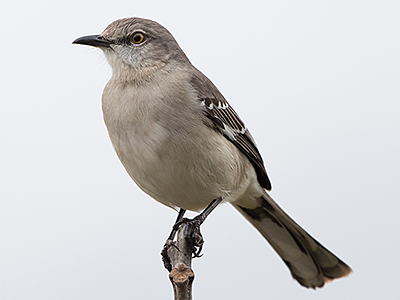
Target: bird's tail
[(310, 263)]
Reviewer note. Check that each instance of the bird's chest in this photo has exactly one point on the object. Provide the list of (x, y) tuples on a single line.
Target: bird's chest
[(152, 136), (140, 127)]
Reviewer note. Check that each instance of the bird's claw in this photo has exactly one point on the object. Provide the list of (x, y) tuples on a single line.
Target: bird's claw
[(193, 235)]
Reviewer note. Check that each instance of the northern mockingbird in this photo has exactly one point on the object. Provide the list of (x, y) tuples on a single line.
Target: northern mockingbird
[(185, 146)]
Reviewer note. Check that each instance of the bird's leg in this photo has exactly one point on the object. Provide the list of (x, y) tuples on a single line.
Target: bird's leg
[(170, 241), (192, 232)]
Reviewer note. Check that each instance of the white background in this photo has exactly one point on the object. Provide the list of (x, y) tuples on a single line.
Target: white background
[(317, 83)]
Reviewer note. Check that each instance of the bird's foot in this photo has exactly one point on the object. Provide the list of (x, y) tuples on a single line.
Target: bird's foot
[(192, 233)]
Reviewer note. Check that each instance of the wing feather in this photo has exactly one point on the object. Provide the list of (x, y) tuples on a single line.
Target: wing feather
[(227, 122)]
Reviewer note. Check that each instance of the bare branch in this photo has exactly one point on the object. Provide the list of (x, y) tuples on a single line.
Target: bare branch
[(182, 275)]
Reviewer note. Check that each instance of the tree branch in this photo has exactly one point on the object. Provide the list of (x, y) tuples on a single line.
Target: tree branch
[(182, 275)]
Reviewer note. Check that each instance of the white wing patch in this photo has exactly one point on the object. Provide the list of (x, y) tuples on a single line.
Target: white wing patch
[(211, 105), (229, 132), (228, 121)]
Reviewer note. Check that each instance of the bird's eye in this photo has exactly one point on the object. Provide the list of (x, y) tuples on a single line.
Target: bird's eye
[(138, 38)]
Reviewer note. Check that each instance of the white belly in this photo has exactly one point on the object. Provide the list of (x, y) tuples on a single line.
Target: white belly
[(179, 173)]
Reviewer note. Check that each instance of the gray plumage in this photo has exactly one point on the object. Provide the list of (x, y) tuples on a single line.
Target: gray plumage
[(184, 145)]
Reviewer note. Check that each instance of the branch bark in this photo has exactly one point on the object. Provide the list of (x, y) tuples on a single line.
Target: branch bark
[(182, 275)]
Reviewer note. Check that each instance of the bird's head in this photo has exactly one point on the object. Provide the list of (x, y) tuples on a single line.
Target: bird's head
[(136, 45)]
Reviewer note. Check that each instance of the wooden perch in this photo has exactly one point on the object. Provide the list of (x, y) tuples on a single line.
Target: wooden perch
[(182, 275)]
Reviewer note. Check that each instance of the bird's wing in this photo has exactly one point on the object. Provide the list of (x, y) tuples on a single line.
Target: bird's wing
[(227, 122)]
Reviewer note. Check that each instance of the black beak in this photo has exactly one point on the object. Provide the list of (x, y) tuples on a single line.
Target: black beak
[(93, 40)]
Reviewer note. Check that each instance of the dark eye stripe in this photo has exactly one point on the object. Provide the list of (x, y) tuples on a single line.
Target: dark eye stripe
[(126, 40)]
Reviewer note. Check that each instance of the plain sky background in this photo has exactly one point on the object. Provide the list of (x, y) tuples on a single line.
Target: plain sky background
[(317, 82)]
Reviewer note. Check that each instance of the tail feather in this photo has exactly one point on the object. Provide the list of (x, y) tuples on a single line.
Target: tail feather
[(310, 263)]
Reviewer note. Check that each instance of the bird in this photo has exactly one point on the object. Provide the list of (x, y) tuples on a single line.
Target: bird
[(184, 145)]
